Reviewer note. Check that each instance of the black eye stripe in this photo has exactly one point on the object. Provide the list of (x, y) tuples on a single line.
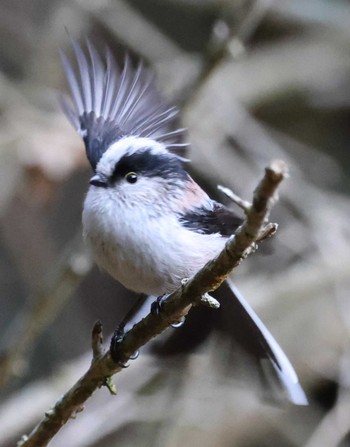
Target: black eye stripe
[(150, 165)]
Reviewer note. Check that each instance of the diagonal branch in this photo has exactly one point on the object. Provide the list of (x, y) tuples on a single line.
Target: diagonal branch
[(176, 306)]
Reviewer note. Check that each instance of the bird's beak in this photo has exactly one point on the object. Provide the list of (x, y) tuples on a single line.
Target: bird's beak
[(99, 180)]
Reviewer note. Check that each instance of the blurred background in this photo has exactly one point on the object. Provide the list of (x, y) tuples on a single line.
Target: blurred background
[(255, 80)]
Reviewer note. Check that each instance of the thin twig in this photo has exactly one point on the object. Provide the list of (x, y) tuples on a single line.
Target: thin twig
[(174, 308), (97, 340), (244, 204)]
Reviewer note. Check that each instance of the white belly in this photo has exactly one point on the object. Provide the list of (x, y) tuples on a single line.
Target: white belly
[(147, 255)]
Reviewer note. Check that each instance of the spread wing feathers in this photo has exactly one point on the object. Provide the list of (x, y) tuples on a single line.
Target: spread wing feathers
[(107, 103), (253, 336)]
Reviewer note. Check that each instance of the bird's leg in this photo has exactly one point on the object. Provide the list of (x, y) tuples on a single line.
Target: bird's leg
[(120, 331), (132, 312), (156, 308)]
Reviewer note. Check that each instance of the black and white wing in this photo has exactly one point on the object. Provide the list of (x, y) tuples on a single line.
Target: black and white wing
[(245, 326), (216, 219), (107, 103)]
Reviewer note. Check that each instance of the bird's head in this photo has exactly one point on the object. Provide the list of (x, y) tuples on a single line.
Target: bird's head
[(140, 171)]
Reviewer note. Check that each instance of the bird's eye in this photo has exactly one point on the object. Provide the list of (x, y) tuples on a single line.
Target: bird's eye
[(131, 177)]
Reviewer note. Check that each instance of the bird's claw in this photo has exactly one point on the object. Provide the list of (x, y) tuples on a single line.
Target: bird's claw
[(135, 355), (178, 324), (117, 338), (156, 308)]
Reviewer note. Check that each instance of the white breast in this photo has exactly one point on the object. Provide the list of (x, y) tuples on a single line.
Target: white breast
[(148, 255)]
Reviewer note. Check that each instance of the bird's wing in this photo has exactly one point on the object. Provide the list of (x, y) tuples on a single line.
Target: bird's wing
[(213, 219), (240, 319), (107, 103)]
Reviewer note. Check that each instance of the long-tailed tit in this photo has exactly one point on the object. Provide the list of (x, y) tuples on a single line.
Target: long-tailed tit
[(147, 222)]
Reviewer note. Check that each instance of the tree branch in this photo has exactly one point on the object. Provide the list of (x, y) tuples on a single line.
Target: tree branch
[(176, 306)]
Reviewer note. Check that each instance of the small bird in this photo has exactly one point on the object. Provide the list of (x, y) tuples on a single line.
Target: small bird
[(146, 221)]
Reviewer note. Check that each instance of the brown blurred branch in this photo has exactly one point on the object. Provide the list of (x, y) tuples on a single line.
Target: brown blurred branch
[(176, 306), (43, 307)]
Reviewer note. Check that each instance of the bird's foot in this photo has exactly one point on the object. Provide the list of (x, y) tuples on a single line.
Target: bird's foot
[(156, 306), (117, 338), (156, 309)]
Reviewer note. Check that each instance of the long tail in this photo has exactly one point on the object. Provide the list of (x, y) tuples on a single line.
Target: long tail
[(255, 339)]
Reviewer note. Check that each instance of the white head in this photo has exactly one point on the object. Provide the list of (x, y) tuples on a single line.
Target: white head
[(140, 171)]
